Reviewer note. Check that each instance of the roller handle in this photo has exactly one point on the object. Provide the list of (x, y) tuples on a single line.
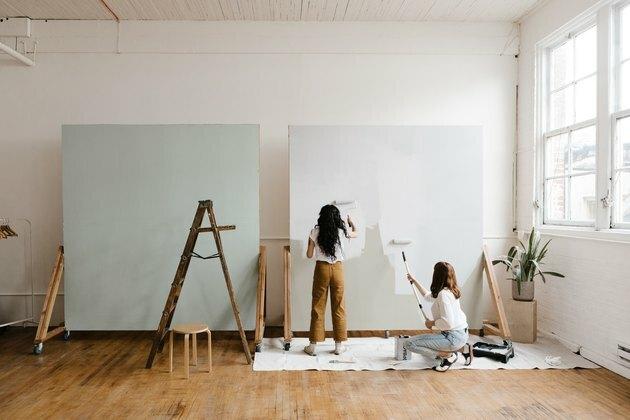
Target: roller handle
[(415, 292)]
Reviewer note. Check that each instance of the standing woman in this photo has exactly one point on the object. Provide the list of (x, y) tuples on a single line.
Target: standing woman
[(327, 243)]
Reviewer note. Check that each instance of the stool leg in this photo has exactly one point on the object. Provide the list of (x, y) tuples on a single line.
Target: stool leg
[(194, 337), (186, 356), (209, 352), (170, 352)]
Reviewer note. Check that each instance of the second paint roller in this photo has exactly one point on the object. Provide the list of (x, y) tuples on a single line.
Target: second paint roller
[(415, 291)]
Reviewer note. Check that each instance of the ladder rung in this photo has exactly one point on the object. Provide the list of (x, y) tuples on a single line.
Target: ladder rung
[(211, 229)]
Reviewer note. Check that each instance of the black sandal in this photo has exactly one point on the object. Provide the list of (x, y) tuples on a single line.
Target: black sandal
[(445, 364), (468, 355)]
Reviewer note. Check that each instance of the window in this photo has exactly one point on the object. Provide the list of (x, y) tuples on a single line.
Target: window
[(583, 120), (570, 135), (621, 122)]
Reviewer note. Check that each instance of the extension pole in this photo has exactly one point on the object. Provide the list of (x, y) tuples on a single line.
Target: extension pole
[(415, 291)]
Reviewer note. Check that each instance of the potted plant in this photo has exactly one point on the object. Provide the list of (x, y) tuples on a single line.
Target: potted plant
[(525, 264)]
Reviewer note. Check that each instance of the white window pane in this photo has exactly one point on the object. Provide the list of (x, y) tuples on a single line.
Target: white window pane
[(586, 53), (583, 201), (624, 86), (583, 149), (562, 65), (586, 99), (557, 155), (622, 149), (623, 197), (625, 32), (555, 195), (561, 112)]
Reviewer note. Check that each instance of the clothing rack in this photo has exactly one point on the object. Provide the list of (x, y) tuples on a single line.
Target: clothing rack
[(7, 232)]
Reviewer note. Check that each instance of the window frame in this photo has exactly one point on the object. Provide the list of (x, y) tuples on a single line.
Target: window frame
[(566, 36), (618, 112), (606, 15)]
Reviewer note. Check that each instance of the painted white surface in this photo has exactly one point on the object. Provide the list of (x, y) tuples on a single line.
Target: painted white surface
[(305, 10), (591, 306), (274, 75), (420, 183)]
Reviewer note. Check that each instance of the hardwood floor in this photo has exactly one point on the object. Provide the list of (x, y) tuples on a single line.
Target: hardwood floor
[(102, 375)]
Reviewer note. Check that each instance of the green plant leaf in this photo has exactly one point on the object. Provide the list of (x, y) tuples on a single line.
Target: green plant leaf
[(555, 274), (543, 251)]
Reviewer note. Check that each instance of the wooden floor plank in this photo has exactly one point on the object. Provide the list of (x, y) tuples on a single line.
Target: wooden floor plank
[(101, 374)]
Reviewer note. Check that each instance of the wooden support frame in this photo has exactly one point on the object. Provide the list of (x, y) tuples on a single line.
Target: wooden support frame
[(43, 334), (261, 299), (288, 333), (501, 327)]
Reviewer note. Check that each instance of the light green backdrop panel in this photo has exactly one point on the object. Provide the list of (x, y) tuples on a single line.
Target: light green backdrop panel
[(129, 196)]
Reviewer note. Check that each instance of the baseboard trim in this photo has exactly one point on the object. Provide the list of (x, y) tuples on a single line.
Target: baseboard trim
[(592, 355), (605, 362)]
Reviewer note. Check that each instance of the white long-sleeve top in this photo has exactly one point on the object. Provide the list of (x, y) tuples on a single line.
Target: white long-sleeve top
[(446, 311)]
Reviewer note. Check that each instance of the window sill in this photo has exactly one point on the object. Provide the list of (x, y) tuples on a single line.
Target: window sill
[(588, 233)]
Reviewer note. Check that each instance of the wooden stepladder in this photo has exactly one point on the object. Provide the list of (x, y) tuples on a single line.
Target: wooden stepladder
[(501, 327), (43, 334), (204, 207)]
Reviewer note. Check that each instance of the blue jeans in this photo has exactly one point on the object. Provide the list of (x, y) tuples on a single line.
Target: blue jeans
[(430, 344)]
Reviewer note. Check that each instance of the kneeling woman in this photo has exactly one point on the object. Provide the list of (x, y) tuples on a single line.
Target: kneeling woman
[(448, 318), (327, 243)]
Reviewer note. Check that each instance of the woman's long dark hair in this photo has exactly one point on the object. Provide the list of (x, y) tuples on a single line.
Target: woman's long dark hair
[(444, 278), (329, 223)]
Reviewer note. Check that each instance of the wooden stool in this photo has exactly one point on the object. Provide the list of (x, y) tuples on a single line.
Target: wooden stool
[(187, 330)]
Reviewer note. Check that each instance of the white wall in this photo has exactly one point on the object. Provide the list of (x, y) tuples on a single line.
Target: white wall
[(591, 306), (272, 74)]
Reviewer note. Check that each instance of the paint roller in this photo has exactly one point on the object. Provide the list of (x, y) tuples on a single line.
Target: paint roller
[(346, 204), (400, 242), (415, 291)]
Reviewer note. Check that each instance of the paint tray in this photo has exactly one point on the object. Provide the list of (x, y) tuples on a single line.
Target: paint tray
[(502, 353)]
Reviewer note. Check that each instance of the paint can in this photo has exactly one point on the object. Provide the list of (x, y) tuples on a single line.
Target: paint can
[(401, 351)]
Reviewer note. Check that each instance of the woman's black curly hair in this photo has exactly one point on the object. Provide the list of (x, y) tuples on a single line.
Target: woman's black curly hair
[(329, 223)]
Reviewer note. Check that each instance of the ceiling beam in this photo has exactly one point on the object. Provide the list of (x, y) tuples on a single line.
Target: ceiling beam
[(109, 9)]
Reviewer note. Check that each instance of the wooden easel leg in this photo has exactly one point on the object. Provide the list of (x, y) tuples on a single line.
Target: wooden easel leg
[(43, 334), (288, 334), (261, 298), (502, 329)]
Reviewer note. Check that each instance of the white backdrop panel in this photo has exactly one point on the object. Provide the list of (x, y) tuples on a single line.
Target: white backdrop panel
[(418, 183)]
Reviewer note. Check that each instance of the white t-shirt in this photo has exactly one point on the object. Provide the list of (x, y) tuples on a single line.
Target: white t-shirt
[(446, 311), (340, 247)]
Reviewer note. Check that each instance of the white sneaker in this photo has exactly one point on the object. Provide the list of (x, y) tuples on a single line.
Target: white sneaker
[(340, 348), (311, 349), (446, 363)]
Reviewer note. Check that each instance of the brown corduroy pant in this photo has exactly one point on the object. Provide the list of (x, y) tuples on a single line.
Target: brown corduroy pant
[(328, 276)]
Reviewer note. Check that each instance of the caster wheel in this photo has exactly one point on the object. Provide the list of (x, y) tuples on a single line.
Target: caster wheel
[(287, 346), (258, 348), (38, 348), (66, 335)]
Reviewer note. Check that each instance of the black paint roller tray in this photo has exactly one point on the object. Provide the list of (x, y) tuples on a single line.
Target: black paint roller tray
[(502, 353)]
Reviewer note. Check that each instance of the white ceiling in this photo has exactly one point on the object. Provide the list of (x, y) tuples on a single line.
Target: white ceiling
[(270, 10)]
